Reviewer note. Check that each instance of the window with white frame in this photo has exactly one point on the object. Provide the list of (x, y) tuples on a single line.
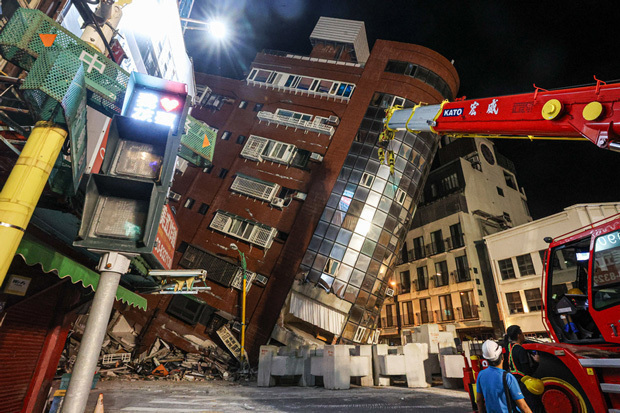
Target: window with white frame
[(255, 187), (261, 149), (305, 83), (400, 196), (331, 266), (367, 180), (235, 226), (294, 115)]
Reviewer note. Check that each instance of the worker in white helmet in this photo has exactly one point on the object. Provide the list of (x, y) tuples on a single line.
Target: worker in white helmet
[(498, 391)]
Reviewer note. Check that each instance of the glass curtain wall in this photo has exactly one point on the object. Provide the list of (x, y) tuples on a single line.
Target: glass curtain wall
[(355, 246)]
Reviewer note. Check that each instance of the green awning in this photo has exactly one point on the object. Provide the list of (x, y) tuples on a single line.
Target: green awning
[(35, 252)]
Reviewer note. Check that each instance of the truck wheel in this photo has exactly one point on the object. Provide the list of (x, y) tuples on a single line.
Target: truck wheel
[(561, 397), (563, 393)]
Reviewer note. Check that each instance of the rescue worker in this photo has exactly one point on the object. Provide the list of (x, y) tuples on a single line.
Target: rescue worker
[(498, 391), (522, 363)]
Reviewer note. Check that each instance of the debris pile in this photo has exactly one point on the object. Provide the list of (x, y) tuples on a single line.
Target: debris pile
[(163, 360)]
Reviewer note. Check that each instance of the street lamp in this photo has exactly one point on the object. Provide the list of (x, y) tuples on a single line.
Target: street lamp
[(244, 268)]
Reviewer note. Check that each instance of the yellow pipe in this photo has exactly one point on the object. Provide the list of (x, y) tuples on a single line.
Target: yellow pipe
[(245, 280), (24, 186)]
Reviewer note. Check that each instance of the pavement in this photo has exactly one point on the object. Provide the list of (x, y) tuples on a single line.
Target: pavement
[(222, 396)]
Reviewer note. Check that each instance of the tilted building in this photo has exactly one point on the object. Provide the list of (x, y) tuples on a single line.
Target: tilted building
[(298, 187)]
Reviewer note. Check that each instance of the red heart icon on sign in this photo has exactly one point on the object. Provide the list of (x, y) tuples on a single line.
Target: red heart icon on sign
[(169, 104)]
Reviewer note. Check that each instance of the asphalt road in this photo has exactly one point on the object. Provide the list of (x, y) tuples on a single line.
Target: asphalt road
[(221, 396)]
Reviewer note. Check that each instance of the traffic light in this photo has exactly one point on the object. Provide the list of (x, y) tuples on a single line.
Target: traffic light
[(124, 202)]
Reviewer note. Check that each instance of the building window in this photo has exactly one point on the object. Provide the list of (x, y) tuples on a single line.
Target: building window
[(421, 73), (261, 149), (407, 315), (258, 107), (462, 269), (240, 139), (254, 187), (534, 300), (418, 248), (422, 281), (425, 311), (298, 116), (235, 226), (389, 315), (174, 196), (506, 269), (456, 235), (450, 183), (515, 305), (405, 282), (468, 309), (298, 82), (441, 274), (203, 209), (400, 196), (367, 180), (223, 173), (185, 308), (226, 135), (243, 104), (189, 203), (331, 266), (510, 180), (526, 266), (446, 312), (500, 191), (436, 245)]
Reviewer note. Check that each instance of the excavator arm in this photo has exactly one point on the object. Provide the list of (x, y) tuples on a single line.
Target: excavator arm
[(591, 113)]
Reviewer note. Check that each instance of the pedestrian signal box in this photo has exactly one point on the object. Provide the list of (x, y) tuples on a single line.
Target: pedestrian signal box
[(124, 202)]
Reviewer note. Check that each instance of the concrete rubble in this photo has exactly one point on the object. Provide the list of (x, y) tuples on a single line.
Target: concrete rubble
[(163, 361)]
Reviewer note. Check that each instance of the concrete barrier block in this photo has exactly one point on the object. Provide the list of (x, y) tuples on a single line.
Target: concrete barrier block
[(415, 355), (392, 365), (337, 373), (265, 357), (452, 371)]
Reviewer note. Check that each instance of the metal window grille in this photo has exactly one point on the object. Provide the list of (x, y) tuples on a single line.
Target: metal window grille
[(254, 187)]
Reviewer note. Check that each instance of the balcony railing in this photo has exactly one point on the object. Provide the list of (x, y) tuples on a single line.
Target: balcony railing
[(454, 242), (425, 317), (445, 315), (314, 126), (421, 285), (435, 248), (388, 322), (441, 280), (462, 275), (467, 312)]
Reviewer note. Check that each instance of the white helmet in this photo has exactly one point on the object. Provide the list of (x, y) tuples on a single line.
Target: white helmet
[(491, 350)]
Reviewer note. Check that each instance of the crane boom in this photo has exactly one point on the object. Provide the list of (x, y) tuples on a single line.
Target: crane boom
[(591, 112)]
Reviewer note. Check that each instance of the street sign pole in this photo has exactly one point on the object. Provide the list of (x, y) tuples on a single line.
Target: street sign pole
[(111, 266)]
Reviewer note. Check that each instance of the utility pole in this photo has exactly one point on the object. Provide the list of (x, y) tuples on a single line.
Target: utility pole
[(111, 266)]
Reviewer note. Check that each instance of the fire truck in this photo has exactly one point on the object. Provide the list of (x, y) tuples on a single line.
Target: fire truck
[(580, 368)]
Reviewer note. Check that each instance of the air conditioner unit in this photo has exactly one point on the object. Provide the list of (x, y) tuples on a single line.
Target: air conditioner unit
[(278, 202), (316, 157), (261, 279), (389, 292), (300, 196), (333, 120)]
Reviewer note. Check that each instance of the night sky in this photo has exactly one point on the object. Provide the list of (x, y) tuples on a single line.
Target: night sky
[(498, 48)]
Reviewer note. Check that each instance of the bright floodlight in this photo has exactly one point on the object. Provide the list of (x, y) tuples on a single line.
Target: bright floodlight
[(218, 29)]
